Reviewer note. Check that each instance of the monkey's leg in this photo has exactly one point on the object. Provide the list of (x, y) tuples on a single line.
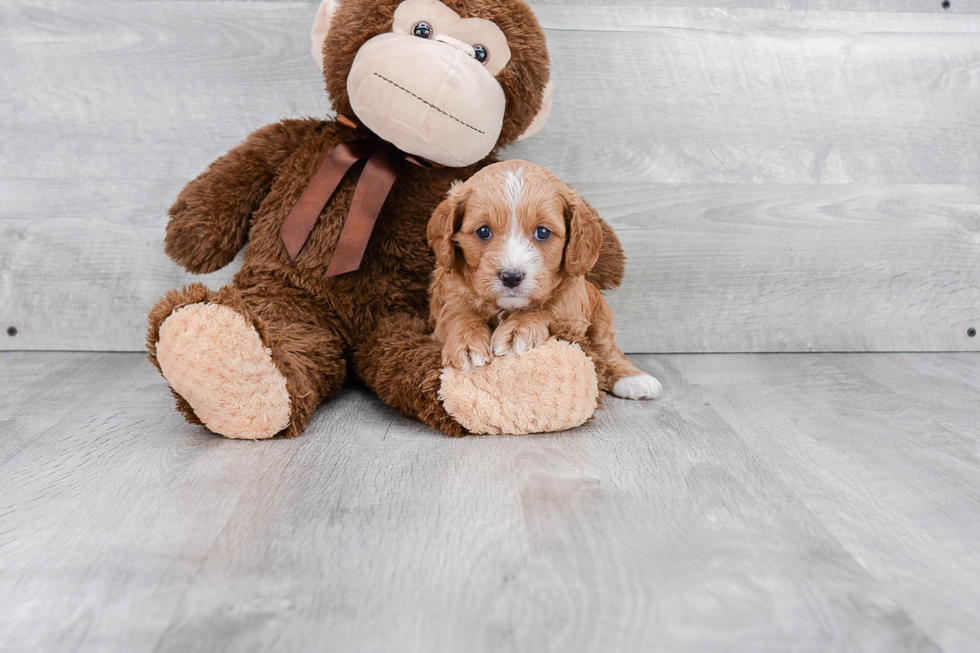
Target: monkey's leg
[(551, 388), (401, 363), (249, 363)]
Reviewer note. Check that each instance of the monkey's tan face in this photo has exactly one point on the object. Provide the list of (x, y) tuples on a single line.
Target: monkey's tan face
[(428, 86)]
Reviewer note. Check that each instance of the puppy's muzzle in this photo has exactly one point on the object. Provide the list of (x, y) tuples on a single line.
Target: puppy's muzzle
[(511, 278)]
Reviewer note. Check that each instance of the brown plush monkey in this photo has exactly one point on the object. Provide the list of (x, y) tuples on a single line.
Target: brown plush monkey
[(447, 84)]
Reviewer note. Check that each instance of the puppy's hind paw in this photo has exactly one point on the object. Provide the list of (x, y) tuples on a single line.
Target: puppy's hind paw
[(641, 386)]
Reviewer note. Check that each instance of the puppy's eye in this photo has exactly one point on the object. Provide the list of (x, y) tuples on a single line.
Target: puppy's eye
[(481, 53), (484, 233), (542, 234), (422, 30)]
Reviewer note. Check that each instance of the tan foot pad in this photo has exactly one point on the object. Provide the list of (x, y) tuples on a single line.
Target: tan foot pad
[(551, 388), (216, 361)]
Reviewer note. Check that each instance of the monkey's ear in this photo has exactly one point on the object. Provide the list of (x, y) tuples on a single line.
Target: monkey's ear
[(445, 222), (321, 25), (543, 113)]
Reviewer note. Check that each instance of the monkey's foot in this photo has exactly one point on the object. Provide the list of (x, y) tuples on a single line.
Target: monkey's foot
[(551, 388), (217, 362)]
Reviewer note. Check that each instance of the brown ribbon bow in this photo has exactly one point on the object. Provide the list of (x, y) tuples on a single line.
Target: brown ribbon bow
[(372, 190)]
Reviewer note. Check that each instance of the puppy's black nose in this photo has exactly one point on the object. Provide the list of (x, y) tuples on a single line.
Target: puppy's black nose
[(511, 278)]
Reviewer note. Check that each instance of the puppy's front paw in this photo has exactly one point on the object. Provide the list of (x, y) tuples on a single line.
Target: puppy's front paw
[(468, 352), (641, 386), (517, 337)]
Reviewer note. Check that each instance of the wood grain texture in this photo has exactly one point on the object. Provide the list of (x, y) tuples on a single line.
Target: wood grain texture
[(957, 6), (931, 6), (34, 389), (670, 94), (765, 503), (795, 268), (903, 428), (84, 502), (109, 108), (711, 268)]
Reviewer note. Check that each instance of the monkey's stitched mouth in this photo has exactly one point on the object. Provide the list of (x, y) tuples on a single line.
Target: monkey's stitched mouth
[(423, 100)]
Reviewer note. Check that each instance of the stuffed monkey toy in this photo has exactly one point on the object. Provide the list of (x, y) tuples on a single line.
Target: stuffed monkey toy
[(334, 280)]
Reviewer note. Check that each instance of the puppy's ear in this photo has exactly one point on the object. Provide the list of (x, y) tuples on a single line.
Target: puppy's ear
[(445, 222), (584, 235)]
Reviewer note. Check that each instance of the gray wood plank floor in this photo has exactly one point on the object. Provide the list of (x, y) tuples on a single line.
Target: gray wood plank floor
[(766, 503)]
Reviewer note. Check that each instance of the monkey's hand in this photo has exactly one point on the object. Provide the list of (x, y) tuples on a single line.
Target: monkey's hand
[(209, 221), (203, 236)]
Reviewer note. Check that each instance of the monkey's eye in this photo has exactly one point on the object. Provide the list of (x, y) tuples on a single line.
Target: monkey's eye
[(542, 234), (481, 53), (422, 30), (484, 233)]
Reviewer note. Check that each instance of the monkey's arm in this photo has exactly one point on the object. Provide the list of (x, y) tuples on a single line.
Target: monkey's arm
[(209, 220)]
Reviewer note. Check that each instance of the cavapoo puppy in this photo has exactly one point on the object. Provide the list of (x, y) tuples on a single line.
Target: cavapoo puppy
[(513, 245)]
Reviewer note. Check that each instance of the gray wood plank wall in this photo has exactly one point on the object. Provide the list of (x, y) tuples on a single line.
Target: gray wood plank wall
[(786, 175)]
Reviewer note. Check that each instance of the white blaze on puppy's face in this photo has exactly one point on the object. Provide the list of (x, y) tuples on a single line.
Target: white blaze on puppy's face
[(514, 187), (505, 263), (519, 255)]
